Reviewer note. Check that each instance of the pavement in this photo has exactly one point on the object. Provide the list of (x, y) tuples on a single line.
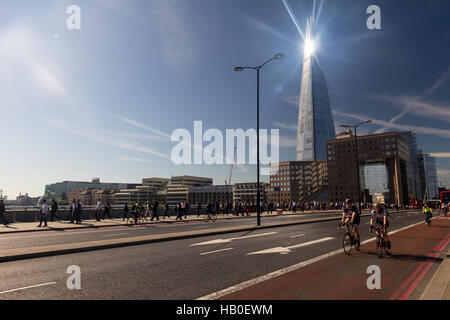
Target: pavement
[(66, 225), (205, 266)]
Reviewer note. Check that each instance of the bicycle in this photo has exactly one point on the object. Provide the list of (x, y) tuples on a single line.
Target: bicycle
[(381, 243), (207, 217), (349, 240)]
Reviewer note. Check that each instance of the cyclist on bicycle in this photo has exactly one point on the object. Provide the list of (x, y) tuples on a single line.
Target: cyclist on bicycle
[(380, 216), (350, 215), (427, 211)]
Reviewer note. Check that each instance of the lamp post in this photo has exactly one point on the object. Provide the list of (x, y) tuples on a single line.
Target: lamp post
[(278, 56), (356, 159)]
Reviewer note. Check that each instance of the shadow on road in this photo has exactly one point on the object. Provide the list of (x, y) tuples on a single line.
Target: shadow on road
[(407, 257)]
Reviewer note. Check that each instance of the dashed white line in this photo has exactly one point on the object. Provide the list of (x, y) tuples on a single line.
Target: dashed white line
[(297, 236), (215, 251), (29, 287)]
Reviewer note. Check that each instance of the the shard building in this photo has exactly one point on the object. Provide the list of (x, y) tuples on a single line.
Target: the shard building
[(315, 121)]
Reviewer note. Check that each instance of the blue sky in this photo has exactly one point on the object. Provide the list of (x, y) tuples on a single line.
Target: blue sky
[(101, 101)]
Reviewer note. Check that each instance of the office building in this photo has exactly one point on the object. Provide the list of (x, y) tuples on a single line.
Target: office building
[(383, 164), (246, 193), (315, 120), (295, 181)]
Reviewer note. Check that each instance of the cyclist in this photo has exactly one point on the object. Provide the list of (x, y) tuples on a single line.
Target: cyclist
[(427, 211), (379, 215), (350, 215)]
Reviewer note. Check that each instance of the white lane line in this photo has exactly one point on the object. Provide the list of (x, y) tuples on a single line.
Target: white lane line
[(29, 287), (115, 234), (215, 251), (286, 250), (219, 241), (297, 236), (249, 283)]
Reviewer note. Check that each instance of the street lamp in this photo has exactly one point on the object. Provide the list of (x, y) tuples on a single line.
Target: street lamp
[(356, 159), (278, 56)]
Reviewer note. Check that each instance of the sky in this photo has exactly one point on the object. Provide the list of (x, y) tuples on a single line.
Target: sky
[(104, 100)]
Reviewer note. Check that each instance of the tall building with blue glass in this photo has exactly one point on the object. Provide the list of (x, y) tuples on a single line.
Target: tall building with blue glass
[(315, 121)]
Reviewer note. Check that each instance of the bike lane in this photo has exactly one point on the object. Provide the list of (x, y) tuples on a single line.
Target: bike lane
[(416, 254)]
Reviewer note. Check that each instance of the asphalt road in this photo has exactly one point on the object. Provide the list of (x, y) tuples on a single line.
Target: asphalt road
[(181, 269)]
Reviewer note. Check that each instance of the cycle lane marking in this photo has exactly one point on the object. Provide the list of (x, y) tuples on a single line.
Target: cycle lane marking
[(280, 272)]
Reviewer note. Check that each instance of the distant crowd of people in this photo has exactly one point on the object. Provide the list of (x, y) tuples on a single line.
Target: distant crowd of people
[(150, 210)]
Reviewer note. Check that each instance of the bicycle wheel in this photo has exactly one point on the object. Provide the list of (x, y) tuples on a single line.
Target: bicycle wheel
[(379, 248), (347, 244), (206, 218)]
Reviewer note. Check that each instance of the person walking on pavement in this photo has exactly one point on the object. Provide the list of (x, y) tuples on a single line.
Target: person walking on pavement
[(166, 211), (179, 212), (98, 210), (2, 212), (78, 212), (125, 212), (72, 210), (54, 210), (107, 210), (183, 208), (43, 215), (155, 211)]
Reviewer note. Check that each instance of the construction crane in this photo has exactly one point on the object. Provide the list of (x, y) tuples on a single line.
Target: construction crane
[(231, 169)]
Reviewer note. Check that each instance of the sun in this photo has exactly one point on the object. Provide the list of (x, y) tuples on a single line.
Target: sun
[(310, 47)]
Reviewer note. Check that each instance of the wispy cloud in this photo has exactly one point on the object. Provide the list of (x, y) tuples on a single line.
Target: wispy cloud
[(133, 159), (177, 34), (102, 138), (418, 105), (143, 126), (438, 84), (424, 130), (291, 98), (292, 127)]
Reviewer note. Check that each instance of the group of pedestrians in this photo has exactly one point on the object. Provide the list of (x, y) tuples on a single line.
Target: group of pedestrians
[(141, 214), (102, 210)]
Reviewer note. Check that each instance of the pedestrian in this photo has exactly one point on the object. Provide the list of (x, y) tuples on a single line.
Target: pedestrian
[(43, 213), (166, 211), (54, 210), (155, 211), (179, 212), (72, 210), (106, 211), (125, 212), (134, 212), (78, 212), (98, 210), (183, 208), (2, 212)]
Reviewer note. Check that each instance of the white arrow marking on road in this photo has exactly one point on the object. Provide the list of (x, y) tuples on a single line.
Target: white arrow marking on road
[(286, 250), (218, 241)]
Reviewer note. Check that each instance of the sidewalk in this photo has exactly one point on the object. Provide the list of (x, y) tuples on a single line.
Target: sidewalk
[(117, 222), (439, 286)]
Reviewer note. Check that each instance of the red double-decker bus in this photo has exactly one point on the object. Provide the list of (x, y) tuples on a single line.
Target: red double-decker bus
[(445, 196)]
